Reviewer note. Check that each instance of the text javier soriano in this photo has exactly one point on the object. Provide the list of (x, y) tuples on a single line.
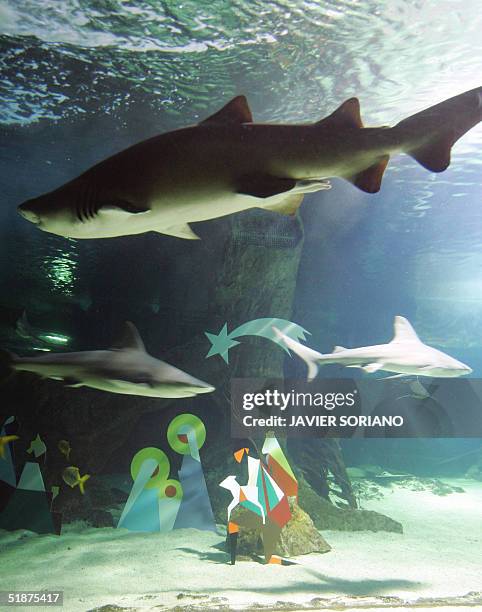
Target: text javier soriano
[(302, 410), (356, 407)]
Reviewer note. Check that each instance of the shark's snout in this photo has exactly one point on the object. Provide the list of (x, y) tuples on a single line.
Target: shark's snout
[(457, 369), (195, 384), (198, 386), (205, 388), (27, 213)]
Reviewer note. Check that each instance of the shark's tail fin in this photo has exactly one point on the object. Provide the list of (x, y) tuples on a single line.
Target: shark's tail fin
[(6, 360), (309, 356), (428, 136)]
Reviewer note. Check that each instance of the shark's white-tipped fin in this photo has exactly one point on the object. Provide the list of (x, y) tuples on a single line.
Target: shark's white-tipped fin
[(130, 338), (235, 111), (370, 368), (337, 349), (403, 331)]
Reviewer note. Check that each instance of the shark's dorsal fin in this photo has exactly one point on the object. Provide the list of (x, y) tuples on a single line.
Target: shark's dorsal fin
[(235, 111), (346, 115), (130, 338), (337, 349), (403, 331)]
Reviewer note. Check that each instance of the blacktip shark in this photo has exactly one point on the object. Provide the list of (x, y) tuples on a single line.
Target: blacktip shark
[(126, 369), (406, 355), (227, 164)]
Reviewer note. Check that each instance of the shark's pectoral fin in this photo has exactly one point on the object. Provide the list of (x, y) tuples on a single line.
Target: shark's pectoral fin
[(264, 185), (370, 368), (370, 180), (311, 185), (235, 111), (121, 207), (180, 231), (287, 206)]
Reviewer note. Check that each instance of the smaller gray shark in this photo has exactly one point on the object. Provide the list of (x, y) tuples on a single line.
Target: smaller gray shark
[(406, 355), (127, 369), (26, 330)]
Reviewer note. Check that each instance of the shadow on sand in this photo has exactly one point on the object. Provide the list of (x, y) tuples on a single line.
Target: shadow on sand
[(311, 581)]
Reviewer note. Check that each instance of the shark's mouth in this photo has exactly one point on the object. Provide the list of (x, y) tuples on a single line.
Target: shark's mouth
[(30, 215)]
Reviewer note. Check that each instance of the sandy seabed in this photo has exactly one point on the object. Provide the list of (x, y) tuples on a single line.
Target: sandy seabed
[(436, 563)]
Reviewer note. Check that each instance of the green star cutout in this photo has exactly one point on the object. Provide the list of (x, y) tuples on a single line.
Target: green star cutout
[(221, 343)]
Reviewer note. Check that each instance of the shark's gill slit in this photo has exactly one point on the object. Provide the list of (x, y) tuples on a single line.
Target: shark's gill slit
[(86, 206), (78, 205), (92, 198), (88, 201)]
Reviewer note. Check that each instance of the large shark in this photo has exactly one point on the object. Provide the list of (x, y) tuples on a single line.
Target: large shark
[(127, 369), (227, 164), (406, 355)]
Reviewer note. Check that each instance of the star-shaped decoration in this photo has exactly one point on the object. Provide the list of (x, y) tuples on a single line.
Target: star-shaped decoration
[(221, 343)]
